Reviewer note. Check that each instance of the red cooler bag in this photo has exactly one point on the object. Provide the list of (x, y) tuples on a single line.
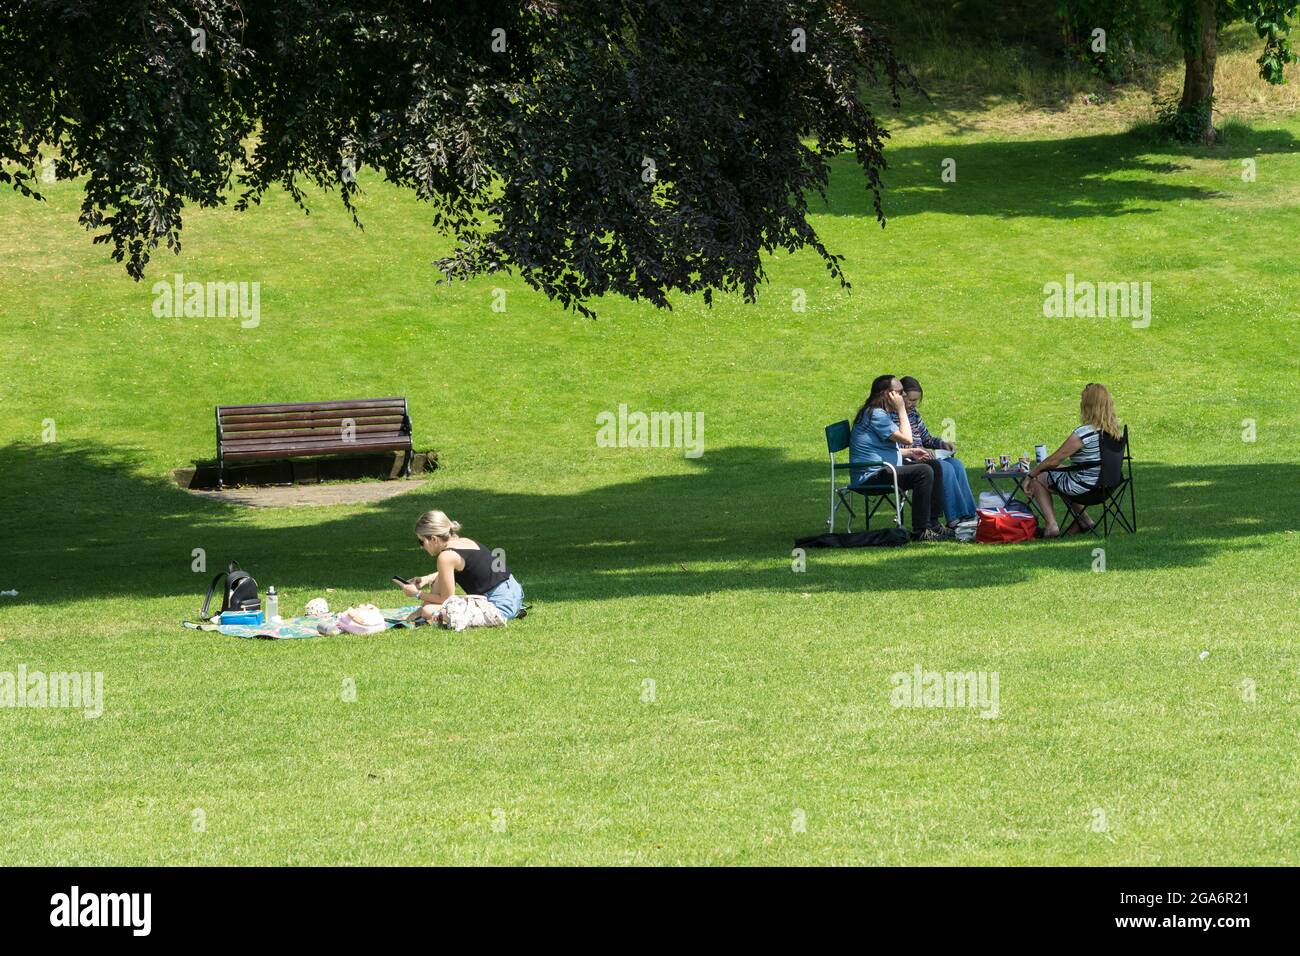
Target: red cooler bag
[(1002, 525)]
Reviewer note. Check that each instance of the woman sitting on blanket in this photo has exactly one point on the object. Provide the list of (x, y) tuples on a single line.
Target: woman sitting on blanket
[(958, 502), (1083, 448), (461, 561), (877, 439)]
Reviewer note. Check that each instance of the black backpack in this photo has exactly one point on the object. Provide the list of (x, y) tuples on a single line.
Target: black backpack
[(240, 593)]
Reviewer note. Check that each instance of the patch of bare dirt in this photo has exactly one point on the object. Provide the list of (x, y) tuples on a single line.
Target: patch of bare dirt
[(306, 496)]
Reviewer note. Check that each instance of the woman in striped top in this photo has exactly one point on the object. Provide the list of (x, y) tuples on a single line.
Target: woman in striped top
[(1083, 448)]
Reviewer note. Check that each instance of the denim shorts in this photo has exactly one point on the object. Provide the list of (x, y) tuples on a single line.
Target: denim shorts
[(507, 597)]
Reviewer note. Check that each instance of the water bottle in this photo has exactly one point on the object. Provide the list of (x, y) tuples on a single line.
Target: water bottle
[(272, 605)]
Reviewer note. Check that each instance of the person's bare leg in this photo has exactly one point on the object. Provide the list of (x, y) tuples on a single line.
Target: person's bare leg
[(1043, 498), (1081, 518)]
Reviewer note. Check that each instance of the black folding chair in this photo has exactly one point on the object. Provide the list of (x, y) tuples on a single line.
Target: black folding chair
[(837, 439), (1112, 493)]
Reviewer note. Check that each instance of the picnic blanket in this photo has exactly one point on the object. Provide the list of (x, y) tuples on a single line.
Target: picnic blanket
[(295, 627)]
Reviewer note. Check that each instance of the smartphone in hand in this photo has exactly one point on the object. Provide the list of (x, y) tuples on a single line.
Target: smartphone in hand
[(398, 580)]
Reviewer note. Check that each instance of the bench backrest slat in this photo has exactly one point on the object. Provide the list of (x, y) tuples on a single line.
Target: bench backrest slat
[(308, 417), (389, 422), (313, 406), (361, 441), (320, 435)]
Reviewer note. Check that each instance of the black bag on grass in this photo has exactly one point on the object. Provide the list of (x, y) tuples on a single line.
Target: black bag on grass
[(881, 538), (240, 592)]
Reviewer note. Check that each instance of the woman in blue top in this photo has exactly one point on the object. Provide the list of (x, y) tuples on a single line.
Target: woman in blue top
[(958, 501), (876, 439)]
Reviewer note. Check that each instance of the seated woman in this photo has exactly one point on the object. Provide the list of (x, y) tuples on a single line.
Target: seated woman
[(461, 561), (1083, 448), (958, 502), (877, 439)]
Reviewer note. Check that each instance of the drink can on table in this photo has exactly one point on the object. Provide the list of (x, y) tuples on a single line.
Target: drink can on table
[(1005, 462), (990, 465), (1040, 453)]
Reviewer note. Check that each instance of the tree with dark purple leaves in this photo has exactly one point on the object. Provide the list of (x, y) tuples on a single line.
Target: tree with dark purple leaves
[(595, 147)]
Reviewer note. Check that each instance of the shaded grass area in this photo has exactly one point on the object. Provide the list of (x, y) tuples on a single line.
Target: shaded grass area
[(733, 509), (771, 689), (1011, 89)]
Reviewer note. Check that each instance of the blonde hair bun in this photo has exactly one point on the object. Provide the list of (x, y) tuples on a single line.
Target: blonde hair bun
[(436, 524)]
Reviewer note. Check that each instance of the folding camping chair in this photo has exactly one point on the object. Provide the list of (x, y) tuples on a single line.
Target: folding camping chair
[(1115, 488), (837, 439)]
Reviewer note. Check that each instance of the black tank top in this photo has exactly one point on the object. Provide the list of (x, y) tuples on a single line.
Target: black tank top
[(478, 576)]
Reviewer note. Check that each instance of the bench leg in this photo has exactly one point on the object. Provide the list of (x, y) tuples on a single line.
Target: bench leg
[(406, 468)]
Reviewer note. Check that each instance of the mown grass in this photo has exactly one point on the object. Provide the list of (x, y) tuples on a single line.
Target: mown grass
[(771, 689)]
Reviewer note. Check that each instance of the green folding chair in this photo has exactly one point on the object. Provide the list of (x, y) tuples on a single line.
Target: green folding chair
[(874, 491)]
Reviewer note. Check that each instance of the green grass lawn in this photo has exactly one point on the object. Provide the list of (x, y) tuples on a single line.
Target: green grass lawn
[(1117, 741)]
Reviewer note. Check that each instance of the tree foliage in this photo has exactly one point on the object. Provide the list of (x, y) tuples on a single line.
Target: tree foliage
[(590, 146), (1195, 24)]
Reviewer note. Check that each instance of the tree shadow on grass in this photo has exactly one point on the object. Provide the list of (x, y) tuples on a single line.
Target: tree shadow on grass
[(1087, 176), (957, 109), (83, 523)]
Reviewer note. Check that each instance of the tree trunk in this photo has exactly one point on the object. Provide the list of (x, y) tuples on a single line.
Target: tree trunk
[(1198, 80)]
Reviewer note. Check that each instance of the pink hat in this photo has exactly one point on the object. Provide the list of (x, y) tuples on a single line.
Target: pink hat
[(362, 619)]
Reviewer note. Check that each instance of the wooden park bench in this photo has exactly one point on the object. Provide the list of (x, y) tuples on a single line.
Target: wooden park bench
[(312, 430)]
